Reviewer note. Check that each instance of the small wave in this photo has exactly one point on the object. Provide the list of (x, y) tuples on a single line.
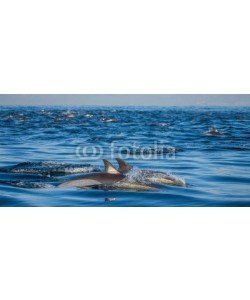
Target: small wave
[(57, 120), (161, 124), (70, 115), (88, 115), (236, 148), (28, 185), (49, 168)]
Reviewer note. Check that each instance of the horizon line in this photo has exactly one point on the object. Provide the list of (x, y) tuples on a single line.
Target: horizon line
[(123, 105)]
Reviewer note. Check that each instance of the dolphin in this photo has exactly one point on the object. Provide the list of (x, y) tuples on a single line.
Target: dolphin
[(109, 177), (213, 131), (108, 180), (149, 176)]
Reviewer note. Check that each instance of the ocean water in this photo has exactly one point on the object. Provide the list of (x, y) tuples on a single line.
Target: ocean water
[(41, 147)]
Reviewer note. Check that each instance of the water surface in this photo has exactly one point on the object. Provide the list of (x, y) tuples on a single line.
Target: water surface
[(43, 146)]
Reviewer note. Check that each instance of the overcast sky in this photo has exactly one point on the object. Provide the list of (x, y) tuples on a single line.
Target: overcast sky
[(164, 100)]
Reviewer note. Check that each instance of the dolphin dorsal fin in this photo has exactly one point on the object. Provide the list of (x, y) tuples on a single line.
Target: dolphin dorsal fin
[(123, 166), (109, 168)]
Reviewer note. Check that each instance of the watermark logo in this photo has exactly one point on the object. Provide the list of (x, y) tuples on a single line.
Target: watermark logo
[(134, 150)]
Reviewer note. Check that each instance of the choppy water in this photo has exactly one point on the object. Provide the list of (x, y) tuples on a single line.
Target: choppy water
[(41, 147)]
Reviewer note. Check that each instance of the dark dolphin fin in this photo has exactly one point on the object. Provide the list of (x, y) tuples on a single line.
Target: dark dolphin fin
[(109, 168), (123, 166)]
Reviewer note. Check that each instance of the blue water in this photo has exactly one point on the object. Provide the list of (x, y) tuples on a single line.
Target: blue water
[(41, 147)]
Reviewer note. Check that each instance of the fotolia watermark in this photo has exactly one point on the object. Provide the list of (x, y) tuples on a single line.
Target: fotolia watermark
[(135, 151)]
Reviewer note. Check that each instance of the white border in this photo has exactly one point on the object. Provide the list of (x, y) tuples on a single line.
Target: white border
[(136, 46), (124, 253), (102, 47)]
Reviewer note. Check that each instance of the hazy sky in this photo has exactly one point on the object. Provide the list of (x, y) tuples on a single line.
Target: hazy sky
[(125, 99)]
